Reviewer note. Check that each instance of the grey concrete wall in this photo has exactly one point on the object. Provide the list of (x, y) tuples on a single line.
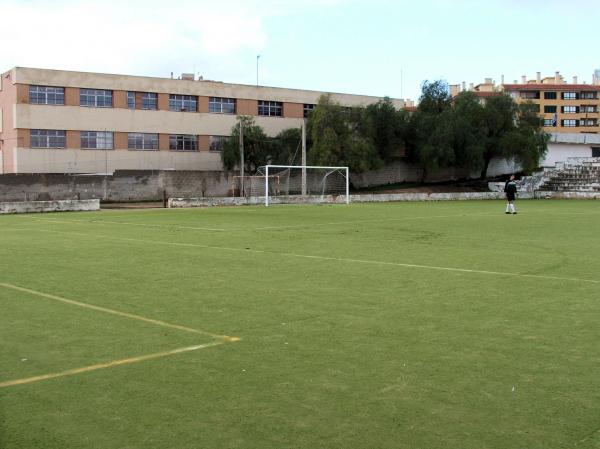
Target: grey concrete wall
[(21, 207), (121, 186)]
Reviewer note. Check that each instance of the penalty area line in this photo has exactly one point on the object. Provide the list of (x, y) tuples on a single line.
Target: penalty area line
[(112, 364), (224, 338)]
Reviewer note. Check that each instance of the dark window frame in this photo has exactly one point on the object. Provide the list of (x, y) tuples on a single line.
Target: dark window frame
[(49, 95), (47, 138), (269, 108), (183, 142)]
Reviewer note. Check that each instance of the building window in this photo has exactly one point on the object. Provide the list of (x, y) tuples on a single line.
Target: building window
[(221, 105), (217, 143), (47, 138), (142, 141), (270, 108), (183, 142), (549, 109), (569, 123), (530, 95), (595, 151), (588, 122), (549, 95), (96, 140), (589, 108), (149, 100), (183, 103), (569, 96), (589, 95), (95, 98), (570, 109), (308, 108), (549, 122), (46, 95), (131, 100)]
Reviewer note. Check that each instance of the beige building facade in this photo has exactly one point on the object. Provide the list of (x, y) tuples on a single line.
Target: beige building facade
[(564, 107), (54, 121)]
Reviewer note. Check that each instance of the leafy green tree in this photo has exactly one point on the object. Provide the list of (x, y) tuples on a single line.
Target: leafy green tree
[(286, 147), (433, 129), (338, 139), (387, 128), (500, 113), (257, 149), (469, 131)]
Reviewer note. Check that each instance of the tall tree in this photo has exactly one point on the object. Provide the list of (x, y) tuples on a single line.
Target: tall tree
[(432, 140), (257, 147), (386, 127), (337, 139)]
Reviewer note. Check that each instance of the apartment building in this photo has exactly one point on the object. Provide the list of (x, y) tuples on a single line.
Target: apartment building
[(54, 121), (565, 107)]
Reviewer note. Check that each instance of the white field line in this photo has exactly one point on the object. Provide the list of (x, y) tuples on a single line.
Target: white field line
[(334, 259), (148, 225), (262, 228), (224, 338), (296, 226), (112, 364)]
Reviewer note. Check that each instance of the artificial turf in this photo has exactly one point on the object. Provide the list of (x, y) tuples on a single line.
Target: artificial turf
[(400, 325)]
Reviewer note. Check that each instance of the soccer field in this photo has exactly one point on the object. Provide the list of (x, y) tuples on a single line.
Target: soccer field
[(400, 325)]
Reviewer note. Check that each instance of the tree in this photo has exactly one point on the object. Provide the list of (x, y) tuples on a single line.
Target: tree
[(337, 137), (527, 143), (387, 128), (432, 140), (258, 149), (513, 132), (469, 131), (286, 147)]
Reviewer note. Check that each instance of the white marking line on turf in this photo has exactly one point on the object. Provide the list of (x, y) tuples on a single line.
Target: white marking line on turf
[(148, 225), (262, 228), (116, 312), (336, 259), (112, 364)]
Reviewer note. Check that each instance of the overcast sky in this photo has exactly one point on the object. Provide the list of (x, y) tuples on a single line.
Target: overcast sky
[(375, 47)]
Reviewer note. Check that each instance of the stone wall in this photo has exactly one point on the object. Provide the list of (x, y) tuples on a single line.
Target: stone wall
[(22, 207), (120, 186)]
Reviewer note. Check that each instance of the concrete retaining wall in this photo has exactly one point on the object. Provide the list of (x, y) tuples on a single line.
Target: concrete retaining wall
[(21, 207), (120, 186)]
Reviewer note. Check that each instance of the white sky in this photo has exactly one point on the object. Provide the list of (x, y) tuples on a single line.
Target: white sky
[(355, 46)]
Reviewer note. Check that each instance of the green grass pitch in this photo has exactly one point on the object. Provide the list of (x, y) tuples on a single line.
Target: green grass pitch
[(443, 325)]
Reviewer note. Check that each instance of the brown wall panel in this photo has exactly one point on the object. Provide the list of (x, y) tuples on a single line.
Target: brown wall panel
[(120, 99), (293, 110), (163, 142), (120, 141), (203, 143), (163, 102), (73, 140), (202, 104), (247, 107), (22, 93), (72, 96), (23, 138)]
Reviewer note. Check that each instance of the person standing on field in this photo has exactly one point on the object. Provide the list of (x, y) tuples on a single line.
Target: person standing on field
[(510, 189)]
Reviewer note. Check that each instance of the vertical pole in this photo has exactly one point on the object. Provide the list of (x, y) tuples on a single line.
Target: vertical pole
[(347, 186), (257, 58), (267, 186), (304, 158), (241, 158)]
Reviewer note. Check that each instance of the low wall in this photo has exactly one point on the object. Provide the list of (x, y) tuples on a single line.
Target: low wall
[(369, 198), (125, 185), (22, 207)]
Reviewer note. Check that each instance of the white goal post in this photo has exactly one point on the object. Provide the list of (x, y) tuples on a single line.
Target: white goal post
[(281, 184)]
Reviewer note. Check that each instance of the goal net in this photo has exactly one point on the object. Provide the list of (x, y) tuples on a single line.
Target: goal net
[(280, 184)]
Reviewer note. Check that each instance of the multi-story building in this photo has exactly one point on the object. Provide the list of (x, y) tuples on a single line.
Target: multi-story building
[(54, 121), (565, 107)]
